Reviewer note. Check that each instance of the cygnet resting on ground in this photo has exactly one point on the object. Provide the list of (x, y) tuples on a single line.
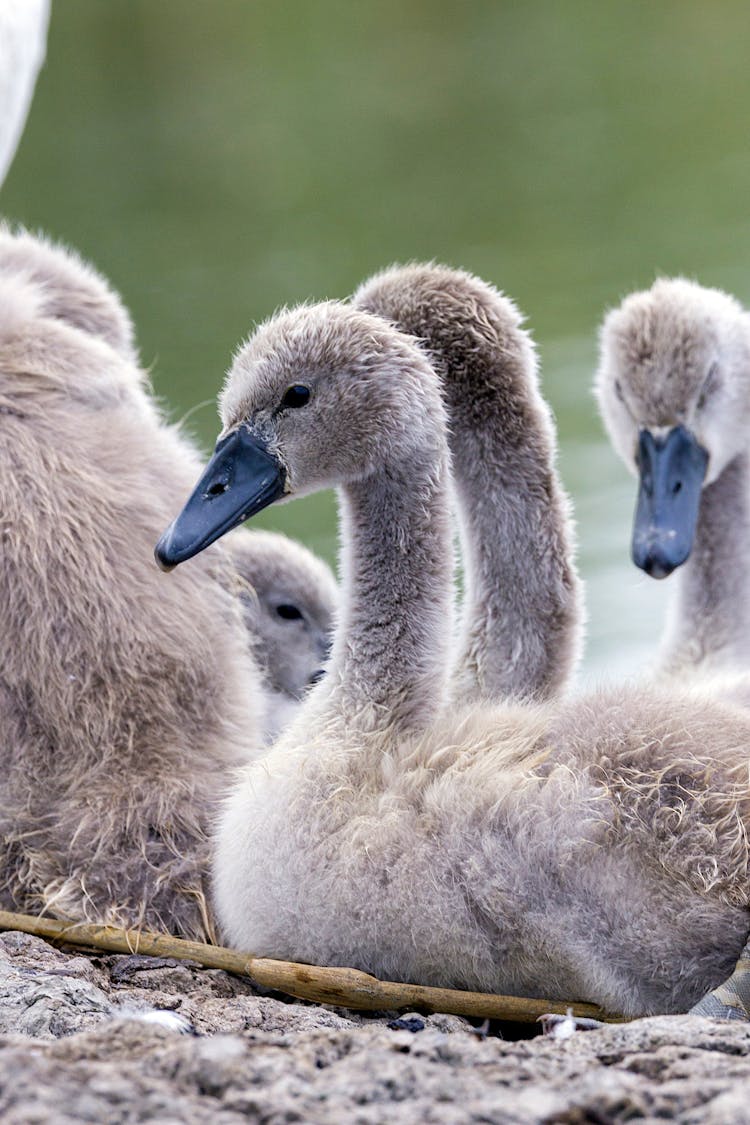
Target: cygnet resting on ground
[(674, 391), (124, 701), (523, 611), (594, 850), (526, 600), (289, 599)]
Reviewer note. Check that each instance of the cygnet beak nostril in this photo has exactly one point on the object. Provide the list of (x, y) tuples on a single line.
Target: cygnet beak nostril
[(217, 489)]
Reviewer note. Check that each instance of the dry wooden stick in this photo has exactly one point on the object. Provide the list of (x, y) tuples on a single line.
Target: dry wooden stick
[(346, 988)]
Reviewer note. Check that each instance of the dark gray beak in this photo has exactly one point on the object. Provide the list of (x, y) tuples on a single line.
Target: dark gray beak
[(240, 480), (672, 470)]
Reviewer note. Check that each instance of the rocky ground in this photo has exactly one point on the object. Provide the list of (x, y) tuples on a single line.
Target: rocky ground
[(78, 1044)]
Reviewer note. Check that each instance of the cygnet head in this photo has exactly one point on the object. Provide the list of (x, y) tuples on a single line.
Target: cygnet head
[(673, 387), (319, 396), (67, 289), (289, 598)]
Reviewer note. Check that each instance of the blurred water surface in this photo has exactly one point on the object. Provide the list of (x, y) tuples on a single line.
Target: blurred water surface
[(219, 160)]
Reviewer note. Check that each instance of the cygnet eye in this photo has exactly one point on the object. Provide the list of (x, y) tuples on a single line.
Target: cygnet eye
[(289, 612), (297, 395)]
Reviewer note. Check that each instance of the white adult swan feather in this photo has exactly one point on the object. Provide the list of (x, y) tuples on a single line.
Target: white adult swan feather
[(23, 38)]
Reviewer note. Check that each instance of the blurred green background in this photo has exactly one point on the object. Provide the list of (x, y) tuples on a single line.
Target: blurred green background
[(219, 159)]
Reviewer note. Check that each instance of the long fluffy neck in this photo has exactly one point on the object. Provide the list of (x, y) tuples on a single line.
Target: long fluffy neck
[(522, 613), (391, 653), (709, 623)]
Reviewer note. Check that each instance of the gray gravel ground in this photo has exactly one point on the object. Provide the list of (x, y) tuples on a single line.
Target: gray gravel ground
[(74, 1047)]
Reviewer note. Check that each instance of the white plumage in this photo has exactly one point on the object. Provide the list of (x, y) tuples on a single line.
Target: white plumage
[(23, 39)]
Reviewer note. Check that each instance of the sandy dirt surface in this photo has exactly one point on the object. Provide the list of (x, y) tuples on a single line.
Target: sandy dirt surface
[(78, 1043)]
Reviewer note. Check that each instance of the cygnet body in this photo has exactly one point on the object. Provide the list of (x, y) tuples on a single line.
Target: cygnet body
[(595, 849), (124, 702)]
